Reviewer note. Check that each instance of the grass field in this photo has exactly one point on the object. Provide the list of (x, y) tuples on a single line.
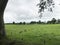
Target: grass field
[(48, 34)]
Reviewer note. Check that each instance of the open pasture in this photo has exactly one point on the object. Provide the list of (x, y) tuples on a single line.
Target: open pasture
[(47, 34)]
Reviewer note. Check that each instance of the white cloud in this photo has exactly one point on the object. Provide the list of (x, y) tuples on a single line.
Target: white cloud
[(26, 10)]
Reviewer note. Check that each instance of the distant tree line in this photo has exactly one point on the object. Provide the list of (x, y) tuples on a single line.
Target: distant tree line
[(53, 21)]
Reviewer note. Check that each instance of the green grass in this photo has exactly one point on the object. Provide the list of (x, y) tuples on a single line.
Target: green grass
[(48, 34)]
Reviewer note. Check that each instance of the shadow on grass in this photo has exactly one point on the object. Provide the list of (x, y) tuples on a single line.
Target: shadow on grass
[(6, 41), (45, 39)]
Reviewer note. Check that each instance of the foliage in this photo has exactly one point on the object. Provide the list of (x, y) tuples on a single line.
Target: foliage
[(45, 4), (53, 21), (13, 22)]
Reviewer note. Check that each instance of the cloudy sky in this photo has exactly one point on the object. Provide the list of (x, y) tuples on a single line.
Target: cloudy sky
[(26, 10)]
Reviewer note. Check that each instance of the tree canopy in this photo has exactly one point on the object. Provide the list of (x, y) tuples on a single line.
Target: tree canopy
[(45, 4)]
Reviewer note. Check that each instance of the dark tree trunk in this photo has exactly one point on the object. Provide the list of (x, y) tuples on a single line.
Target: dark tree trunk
[(3, 4)]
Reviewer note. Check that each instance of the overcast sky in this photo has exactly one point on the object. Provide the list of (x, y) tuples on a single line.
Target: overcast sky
[(26, 10)]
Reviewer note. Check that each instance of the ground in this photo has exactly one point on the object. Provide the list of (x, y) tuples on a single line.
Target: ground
[(35, 34)]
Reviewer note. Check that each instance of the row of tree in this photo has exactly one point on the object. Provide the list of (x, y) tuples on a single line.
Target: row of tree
[(53, 21)]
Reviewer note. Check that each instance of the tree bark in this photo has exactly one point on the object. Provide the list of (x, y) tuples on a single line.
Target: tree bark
[(3, 4)]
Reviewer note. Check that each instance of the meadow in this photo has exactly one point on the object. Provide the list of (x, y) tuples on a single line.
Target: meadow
[(35, 34)]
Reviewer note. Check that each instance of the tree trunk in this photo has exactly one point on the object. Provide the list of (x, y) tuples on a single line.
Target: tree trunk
[(3, 4), (2, 28)]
